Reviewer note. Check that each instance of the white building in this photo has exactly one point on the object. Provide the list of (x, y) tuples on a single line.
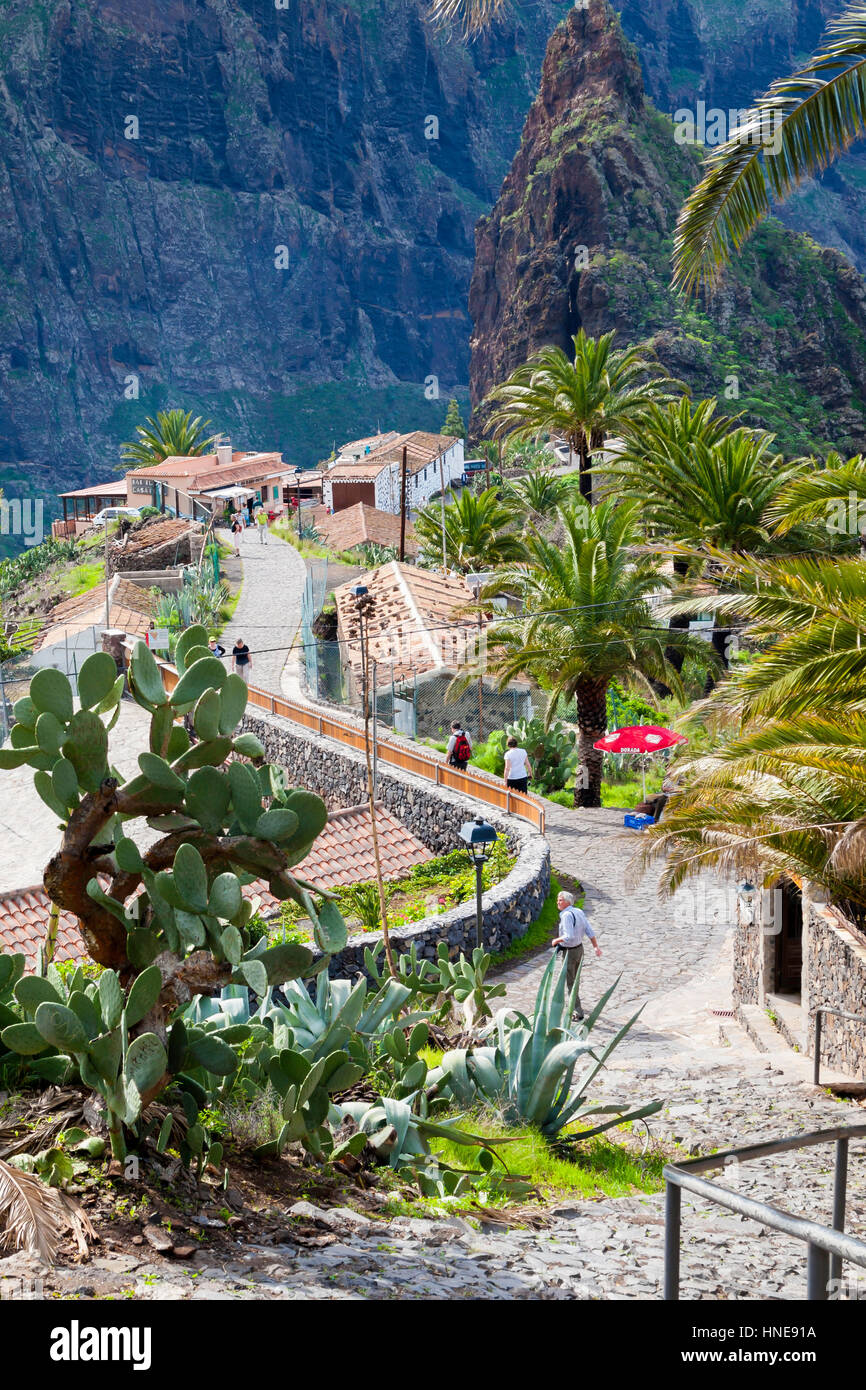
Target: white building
[(369, 470)]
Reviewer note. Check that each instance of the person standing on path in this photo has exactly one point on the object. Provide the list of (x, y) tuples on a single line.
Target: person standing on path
[(262, 523), (518, 768), (573, 927), (242, 662), (459, 749), (237, 527)]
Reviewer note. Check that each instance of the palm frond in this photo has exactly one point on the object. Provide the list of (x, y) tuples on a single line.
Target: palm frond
[(796, 129), (470, 16), (31, 1214)]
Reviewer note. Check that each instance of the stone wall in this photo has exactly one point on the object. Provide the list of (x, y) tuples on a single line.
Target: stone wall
[(747, 963), (435, 815), (836, 972)]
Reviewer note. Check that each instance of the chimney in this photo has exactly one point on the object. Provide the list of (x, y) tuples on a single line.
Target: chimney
[(224, 453)]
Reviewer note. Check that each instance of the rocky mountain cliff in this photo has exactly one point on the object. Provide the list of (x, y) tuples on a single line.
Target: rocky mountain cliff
[(726, 52), (261, 211), (581, 237)]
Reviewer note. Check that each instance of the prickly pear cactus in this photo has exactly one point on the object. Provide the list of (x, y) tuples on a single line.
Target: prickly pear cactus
[(172, 915)]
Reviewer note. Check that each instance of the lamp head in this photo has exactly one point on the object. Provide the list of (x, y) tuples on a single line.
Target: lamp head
[(477, 835)]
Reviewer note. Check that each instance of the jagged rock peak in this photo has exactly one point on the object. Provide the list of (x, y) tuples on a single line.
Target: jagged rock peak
[(582, 237)]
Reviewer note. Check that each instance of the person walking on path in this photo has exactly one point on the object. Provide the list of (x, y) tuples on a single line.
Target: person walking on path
[(518, 768), (216, 648), (573, 928), (262, 523), (237, 527), (459, 749), (242, 662)]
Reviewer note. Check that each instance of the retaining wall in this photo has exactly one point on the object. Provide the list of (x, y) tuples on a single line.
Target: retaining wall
[(836, 971), (434, 814)]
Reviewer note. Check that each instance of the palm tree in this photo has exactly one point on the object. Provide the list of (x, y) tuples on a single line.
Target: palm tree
[(786, 798), (700, 479), (586, 622), (809, 613), (477, 533), (539, 493), (834, 493), (172, 433), (598, 393), (796, 129), (787, 793), (699, 484)]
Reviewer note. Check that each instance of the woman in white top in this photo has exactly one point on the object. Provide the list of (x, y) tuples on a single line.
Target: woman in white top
[(518, 768)]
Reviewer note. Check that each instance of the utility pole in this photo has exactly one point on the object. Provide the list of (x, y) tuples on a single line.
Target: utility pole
[(107, 603), (442, 501), (403, 507), (364, 605)]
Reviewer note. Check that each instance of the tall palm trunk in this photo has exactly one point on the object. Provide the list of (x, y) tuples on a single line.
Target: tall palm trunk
[(580, 445), (591, 699)]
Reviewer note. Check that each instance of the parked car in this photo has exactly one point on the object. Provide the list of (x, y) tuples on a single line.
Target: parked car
[(114, 514)]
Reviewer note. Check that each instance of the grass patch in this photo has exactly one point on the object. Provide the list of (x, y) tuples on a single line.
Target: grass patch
[(227, 610), (83, 578), (599, 1168)]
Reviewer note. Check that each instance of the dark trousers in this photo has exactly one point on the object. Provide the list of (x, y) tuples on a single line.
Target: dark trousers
[(517, 784), (573, 957)]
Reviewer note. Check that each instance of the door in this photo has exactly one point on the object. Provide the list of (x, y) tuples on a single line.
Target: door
[(789, 942), (347, 494)]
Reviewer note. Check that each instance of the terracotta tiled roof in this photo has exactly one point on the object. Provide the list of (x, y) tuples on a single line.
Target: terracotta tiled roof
[(342, 854), (177, 466), (371, 442), (353, 526), (23, 919), (155, 532), (422, 449), (116, 488), (199, 466), (369, 467), (416, 624), (253, 469), (132, 608)]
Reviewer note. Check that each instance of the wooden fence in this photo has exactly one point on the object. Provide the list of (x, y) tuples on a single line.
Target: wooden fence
[(422, 763)]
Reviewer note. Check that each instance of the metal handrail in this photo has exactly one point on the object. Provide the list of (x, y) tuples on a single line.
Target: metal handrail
[(827, 1246), (837, 1013)]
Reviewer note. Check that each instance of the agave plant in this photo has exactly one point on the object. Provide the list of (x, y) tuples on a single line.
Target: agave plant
[(529, 1074)]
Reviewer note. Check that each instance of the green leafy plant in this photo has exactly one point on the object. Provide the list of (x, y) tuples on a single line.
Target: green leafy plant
[(221, 825), (529, 1074), (553, 752)]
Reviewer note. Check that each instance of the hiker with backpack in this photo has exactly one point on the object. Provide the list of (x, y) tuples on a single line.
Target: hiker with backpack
[(459, 746)]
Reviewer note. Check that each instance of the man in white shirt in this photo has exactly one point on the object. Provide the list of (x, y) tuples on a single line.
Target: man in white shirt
[(573, 927)]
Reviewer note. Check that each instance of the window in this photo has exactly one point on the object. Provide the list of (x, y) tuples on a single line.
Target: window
[(276, 494)]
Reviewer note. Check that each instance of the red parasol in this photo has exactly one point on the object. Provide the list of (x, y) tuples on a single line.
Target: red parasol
[(639, 738)]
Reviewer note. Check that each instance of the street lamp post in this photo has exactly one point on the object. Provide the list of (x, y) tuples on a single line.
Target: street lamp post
[(477, 835)]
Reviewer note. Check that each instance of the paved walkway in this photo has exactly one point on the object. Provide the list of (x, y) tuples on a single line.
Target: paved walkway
[(269, 609), (669, 950)]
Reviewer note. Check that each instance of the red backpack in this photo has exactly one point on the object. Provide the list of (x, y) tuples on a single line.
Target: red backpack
[(462, 749)]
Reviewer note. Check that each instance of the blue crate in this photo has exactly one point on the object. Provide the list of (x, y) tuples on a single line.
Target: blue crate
[(635, 822)]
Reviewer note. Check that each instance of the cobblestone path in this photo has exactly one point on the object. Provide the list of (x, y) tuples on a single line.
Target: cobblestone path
[(269, 608)]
